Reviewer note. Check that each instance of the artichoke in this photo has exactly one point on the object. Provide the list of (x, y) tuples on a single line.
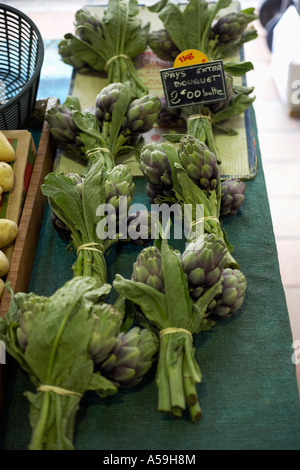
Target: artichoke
[(203, 264), (141, 114), (85, 21), (32, 306), (131, 357), (230, 27), (232, 296), (162, 45), (232, 196), (107, 321), (148, 268), (106, 100), (199, 162), (156, 168), (119, 182), (64, 130), (170, 118)]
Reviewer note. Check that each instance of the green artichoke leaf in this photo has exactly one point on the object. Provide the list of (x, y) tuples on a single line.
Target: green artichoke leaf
[(151, 301), (237, 69), (204, 301), (62, 191), (87, 53), (178, 301), (173, 138), (137, 42), (72, 103), (87, 123), (157, 7), (172, 19), (237, 106), (191, 193), (118, 114), (101, 385)]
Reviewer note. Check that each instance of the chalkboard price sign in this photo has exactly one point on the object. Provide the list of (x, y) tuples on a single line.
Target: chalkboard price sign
[(194, 84)]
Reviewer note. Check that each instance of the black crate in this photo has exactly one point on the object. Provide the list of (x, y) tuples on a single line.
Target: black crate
[(21, 59)]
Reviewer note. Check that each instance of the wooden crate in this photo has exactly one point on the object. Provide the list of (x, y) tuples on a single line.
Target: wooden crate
[(24, 250)]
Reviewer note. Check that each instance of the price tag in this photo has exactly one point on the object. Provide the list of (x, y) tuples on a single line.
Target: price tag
[(190, 57), (194, 84)]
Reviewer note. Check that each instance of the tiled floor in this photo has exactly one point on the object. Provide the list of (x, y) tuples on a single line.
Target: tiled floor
[(279, 137)]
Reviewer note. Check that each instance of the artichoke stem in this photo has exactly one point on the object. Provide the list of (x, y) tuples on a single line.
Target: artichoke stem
[(195, 412)]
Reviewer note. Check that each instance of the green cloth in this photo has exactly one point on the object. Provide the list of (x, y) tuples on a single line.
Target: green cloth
[(248, 395)]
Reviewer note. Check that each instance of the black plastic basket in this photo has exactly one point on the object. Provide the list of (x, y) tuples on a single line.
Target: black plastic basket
[(21, 59)]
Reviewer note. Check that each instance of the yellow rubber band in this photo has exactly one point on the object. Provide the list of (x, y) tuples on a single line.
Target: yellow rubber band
[(196, 116), (58, 390), (203, 219), (114, 58), (89, 246), (95, 150), (168, 331)]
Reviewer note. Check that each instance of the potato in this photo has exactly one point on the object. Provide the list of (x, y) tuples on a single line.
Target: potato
[(7, 176), (2, 287), (7, 153), (8, 232), (4, 264)]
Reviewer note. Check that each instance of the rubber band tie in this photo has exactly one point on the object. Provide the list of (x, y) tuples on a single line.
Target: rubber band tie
[(168, 331), (114, 58), (95, 150), (203, 219), (58, 390), (89, 246)]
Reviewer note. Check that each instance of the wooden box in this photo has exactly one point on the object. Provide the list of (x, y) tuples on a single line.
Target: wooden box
[(23, 253)]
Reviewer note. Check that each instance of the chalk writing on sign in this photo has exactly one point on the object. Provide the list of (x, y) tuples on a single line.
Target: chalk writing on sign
[(194, 84)]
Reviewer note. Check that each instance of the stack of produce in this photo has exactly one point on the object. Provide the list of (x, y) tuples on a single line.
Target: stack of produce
[(108, 44), (104, 358), (195, 27), (8, 228), (179, 296), (172, 296), (189, 174), (112, 127)]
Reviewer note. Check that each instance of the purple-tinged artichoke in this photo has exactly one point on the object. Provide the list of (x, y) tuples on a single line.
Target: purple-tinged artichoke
[(131, 357), (170, 118), (199, 162), (141, 114), (106, 100), (162, 45), (204, 264), (232, 296), (64, 130), (230, 27), (232, 196), (156, 168)]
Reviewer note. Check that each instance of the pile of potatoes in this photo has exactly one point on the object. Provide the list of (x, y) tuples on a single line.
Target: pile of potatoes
[(8, 228)]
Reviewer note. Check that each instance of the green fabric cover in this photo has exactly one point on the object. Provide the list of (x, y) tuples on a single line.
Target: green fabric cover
[(248, 395)]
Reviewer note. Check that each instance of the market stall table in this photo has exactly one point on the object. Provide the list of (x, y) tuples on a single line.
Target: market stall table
[(248, 395)]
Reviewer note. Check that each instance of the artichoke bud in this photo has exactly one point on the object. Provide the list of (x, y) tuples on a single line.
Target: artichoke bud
[(232, 196), (148, 268), (204, 265), (106, 100), (199, 162), (131, 357), (107, 321), (162, 45), (232, 296), (230, 27)]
